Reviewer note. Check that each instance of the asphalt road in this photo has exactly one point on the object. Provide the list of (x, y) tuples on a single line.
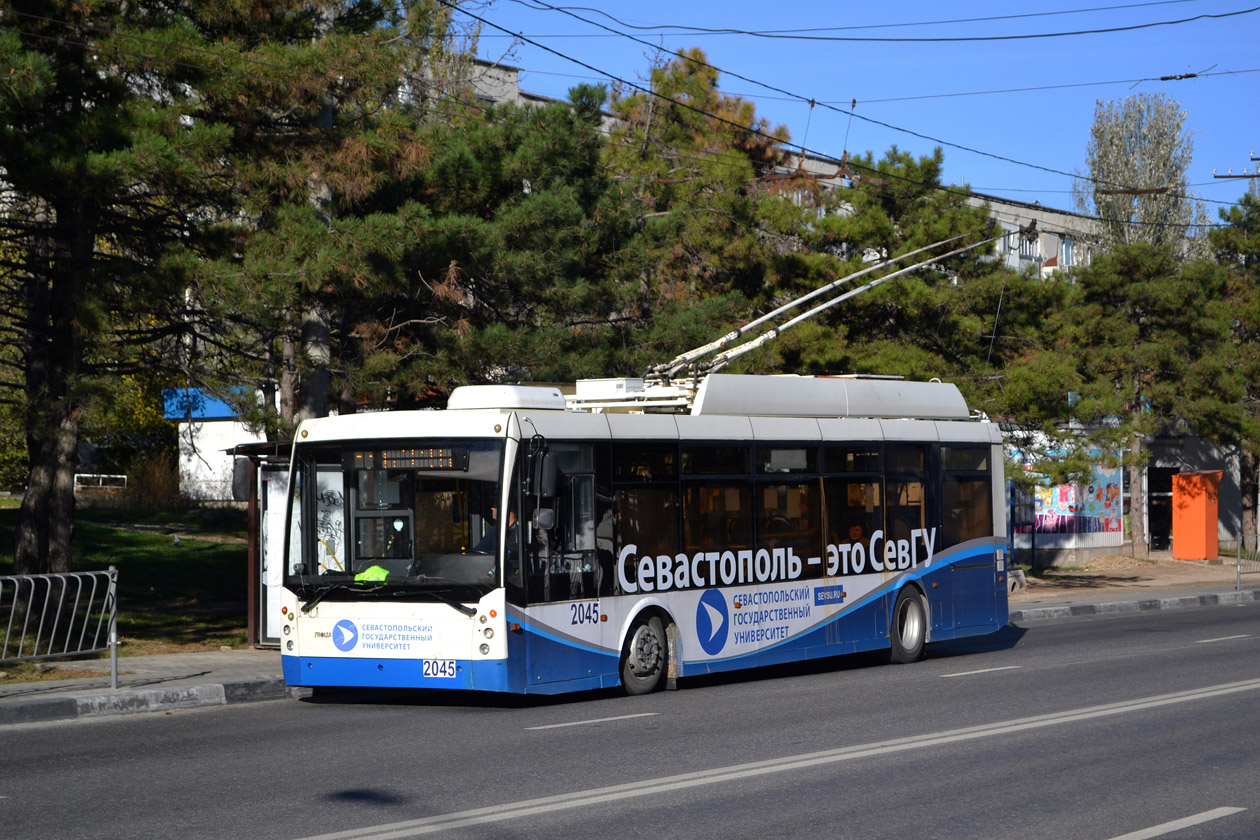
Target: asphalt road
[(1136, 725)]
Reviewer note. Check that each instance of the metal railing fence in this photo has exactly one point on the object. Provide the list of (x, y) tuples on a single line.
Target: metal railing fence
[(59, 615), (1248, 558), (99, 480)]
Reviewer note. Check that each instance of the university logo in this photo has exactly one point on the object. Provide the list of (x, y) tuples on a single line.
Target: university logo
[(713, 623), (345, 635)]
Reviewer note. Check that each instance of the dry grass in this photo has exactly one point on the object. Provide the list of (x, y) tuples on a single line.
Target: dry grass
[(26, 672)]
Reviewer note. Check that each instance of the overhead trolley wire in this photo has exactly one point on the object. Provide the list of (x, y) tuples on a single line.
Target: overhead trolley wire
[(792, 95), (798, 36), (703, 30), (1036, 88)]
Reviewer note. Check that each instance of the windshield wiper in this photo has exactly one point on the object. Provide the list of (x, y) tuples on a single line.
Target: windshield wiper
[(436, 593), (321, 595), (333, 587)]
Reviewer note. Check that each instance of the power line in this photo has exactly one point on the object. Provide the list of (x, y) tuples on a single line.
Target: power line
[(312, 74), (538, 4), (800, 35), (758, 133), (926, 96), (706, 30), (1054, 87)]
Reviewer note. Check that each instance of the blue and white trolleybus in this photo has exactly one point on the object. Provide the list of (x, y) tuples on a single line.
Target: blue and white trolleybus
[(630, 535)]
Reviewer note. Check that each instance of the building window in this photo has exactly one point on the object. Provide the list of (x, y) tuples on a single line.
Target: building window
[(1065, 253), (1029, 249)]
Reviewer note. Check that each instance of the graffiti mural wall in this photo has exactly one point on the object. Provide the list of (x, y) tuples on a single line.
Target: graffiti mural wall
[(1096, 507)]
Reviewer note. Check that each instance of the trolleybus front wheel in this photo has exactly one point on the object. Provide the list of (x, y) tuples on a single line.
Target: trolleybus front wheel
[(646, 657), (909, 627)]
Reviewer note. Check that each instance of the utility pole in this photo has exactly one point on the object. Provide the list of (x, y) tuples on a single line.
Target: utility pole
[(1245, 173)]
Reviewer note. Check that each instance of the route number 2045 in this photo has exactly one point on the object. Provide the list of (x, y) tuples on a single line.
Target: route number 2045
[(584, 613), (442, 668)]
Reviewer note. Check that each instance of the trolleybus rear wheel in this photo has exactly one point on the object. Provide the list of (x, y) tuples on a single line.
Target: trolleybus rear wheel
[(909, 627), (646, 657)]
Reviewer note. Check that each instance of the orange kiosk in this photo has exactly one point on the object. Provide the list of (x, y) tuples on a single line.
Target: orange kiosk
[(1194, 520)]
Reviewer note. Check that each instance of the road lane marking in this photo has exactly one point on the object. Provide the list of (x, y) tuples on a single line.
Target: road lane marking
[(718, 775), (585, 722), (1224, 639), (982, 671), (1177, 825)]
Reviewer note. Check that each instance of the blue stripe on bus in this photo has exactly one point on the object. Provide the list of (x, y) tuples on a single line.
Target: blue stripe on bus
[(599, 667), (829, 639), (857, 642), (556, 664), (552, 654), (315, 671), (567, 641)]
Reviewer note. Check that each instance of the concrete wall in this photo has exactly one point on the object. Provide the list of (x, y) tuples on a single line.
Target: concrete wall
[(1183, 454), (205, 468)]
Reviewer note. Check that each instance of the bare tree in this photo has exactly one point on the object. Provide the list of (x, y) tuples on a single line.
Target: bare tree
[(1138, 158)]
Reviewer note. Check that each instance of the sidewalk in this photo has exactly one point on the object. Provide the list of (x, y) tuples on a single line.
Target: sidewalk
[(149, 684), (1127, 584), (217, 678)]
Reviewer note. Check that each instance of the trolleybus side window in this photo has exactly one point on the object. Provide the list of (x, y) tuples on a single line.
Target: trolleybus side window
[(716, 459), (908, 506), (514, 569), (854, 495), (717, 515), (789, 504), (717, 512), (645, 462), (854, 492), (966, 491), (645, 489)]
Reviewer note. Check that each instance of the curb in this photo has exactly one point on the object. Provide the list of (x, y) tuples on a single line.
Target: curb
[(132, 701), (1245, 596)]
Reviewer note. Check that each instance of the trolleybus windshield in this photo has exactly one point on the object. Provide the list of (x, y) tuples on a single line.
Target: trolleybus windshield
[(391, 518)]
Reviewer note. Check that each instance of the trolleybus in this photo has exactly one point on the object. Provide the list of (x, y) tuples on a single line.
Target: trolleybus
[(522, 540)]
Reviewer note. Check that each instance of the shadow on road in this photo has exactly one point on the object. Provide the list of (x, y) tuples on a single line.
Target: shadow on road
[(1004, 639)]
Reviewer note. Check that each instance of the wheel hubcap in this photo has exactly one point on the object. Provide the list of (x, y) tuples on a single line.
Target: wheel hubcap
[(645, 652), (911, 624)]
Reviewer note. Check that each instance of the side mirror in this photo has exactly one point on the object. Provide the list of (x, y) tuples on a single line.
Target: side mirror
[(544, 519), (544, 478)]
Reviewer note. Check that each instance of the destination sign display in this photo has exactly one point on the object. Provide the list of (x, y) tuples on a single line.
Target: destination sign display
[(428, 458)]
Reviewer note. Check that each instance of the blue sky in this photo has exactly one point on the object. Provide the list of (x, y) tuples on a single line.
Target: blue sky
[(1031, 100)]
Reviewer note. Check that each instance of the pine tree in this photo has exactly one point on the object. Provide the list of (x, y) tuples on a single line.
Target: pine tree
[(1147, 338), (922, 324), (1237, 247), (106, 172), (508, 262), (332, 158), (704, 171)]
